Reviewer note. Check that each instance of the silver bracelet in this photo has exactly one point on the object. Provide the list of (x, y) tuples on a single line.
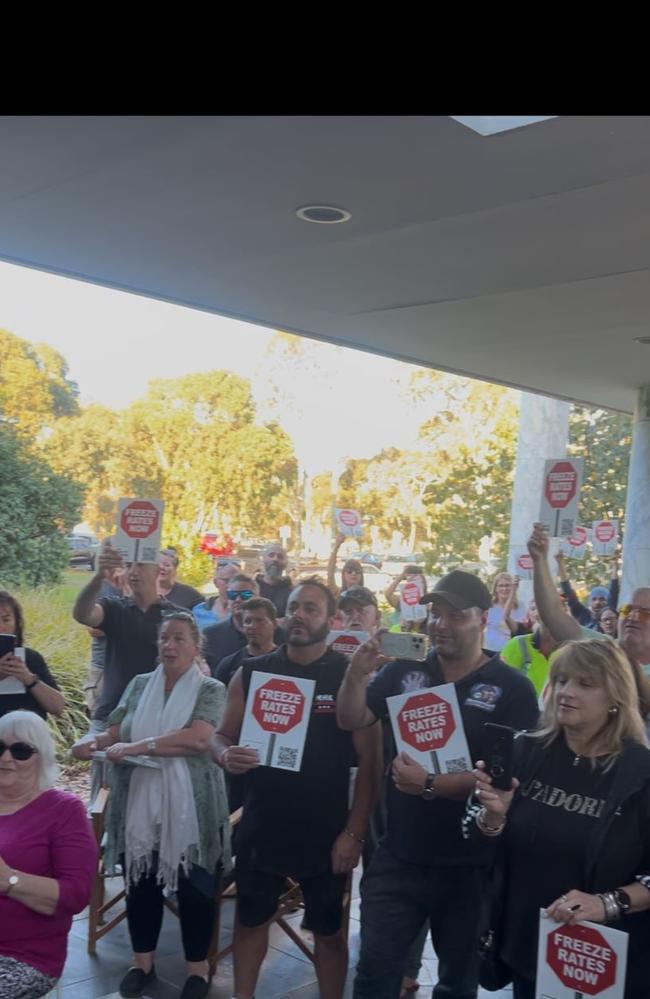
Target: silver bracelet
[(485, 828), (610, 905)]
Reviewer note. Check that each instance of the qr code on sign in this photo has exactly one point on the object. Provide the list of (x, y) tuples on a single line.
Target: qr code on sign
[(457, 766), (287, 757), (566, 528), (149, 554)]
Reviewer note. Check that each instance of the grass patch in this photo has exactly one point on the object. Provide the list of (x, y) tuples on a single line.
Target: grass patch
[(65, 646)]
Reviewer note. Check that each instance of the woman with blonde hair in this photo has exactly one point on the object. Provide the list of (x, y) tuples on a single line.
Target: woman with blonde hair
[(575, 827), (504, 605)]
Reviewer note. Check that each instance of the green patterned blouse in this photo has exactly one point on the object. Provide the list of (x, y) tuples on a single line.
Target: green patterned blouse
[(207, 778)]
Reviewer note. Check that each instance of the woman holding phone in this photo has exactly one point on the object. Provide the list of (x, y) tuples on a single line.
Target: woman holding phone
[(575, 826), (40, 692)]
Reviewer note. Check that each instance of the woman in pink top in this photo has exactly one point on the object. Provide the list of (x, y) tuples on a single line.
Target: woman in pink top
[(48, 858)]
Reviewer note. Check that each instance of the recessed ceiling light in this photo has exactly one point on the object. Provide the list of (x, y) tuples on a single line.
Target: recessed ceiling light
[(323, 214), (491, 124), (642, 339)]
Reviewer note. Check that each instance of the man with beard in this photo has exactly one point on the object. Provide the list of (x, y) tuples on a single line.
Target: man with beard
[(298, 824), (424, 868), (271, 583)]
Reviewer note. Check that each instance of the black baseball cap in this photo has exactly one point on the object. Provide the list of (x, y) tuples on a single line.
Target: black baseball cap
[(359, 595), (460, 589)]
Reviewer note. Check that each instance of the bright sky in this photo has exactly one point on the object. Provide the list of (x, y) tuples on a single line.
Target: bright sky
[(114, 342)]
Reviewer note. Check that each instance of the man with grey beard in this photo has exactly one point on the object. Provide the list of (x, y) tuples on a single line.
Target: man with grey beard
[(273, 585)]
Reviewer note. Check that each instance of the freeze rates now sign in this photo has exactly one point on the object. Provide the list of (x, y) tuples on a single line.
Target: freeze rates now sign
[(276, 718), (579, 961), (428, 726)]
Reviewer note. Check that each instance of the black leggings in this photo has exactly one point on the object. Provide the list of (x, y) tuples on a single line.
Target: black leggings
[(196, 910)]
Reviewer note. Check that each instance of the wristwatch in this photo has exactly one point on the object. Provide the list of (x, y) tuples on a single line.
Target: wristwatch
[(429, 790), (12, 881)]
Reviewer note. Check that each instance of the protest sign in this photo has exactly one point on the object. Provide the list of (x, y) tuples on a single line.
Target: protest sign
[(139, 524), (348, 522), (428, 726), (574, 961), (560, 496), (604, 537), (276, 718)]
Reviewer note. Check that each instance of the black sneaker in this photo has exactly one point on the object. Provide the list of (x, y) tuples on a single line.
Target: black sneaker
[(195, 988), (135, 982)]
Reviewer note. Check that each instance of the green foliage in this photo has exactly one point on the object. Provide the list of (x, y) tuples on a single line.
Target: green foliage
[(192, 442), (34, 386), (37, 507), (65, 646), (604, 440)]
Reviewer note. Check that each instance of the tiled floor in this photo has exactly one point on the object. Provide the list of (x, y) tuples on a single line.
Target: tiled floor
[(286, 971)]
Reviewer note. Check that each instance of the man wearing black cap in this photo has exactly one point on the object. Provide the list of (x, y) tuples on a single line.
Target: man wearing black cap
[(358, 606), (423, 867)]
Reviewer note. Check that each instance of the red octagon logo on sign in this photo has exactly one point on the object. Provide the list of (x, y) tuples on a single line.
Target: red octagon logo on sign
[(411, 594), (346, 644), (426, 722), (605, 532), (581, 958), (278, 706), (525, 562), (139, 519), (349, 517), (578, 538), (561, 484)]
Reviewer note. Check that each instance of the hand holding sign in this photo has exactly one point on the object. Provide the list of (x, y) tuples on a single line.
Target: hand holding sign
[(276, 719), (348, 522), (239, 759), (576, 907), (583, 960), (409, 776)]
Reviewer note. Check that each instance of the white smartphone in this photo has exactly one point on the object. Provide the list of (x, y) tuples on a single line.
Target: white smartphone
[(404, 645)]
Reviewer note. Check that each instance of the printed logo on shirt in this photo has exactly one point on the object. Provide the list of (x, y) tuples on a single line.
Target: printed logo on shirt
[(557, 798), (485, 696), (324, 704), (415, 680)]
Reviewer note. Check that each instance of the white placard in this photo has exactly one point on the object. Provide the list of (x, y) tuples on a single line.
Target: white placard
[(347, 642), (604, 537), (348, 522), (560, 496), (410, 608), (580, 961), (276, 718), (576, 545), (138, 528), (427, 724), (521, 563)]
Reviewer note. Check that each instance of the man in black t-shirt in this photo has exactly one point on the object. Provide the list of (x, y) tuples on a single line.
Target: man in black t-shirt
[(299, 824), (227, 637), (423, 867), (258, 624), (272, 584)]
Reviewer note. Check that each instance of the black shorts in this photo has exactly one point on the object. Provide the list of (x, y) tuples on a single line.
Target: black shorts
[(258, 893)]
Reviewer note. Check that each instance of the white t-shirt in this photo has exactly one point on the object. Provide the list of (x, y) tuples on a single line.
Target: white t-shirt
[(497, 632)]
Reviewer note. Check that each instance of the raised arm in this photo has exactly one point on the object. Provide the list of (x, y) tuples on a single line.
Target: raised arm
[(352, 712), (86, 609), (331, 565), (549, 604)]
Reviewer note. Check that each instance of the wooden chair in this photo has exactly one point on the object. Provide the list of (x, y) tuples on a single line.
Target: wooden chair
[(99, 904), (290, 901)]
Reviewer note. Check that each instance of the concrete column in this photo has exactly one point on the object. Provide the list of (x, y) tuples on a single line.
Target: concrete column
[(543, 434), (636, 543)]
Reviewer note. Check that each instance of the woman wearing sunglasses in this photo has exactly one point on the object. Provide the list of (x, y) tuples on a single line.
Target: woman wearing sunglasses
[(167, 824), (39, 690), (351, 573), (48, 859)]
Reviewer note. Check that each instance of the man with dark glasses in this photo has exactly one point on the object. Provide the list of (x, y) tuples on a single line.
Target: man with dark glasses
[(215, 609), (228, 636)]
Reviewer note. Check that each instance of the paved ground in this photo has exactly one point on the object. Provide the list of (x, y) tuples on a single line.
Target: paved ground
[(286, 972)]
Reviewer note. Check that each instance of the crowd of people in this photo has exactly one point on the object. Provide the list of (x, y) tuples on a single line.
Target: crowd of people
[(444, 853)]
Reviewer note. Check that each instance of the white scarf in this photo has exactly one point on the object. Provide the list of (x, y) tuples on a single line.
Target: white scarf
[(160, 812)]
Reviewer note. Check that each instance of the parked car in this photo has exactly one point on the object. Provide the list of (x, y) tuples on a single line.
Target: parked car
[(395, 564), (83, 549), (369, 558)]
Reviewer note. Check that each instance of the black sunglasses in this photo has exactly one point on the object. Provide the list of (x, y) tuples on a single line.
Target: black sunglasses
[(20, 751)]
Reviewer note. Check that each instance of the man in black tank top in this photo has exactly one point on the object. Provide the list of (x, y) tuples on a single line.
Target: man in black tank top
[(299, 824)]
